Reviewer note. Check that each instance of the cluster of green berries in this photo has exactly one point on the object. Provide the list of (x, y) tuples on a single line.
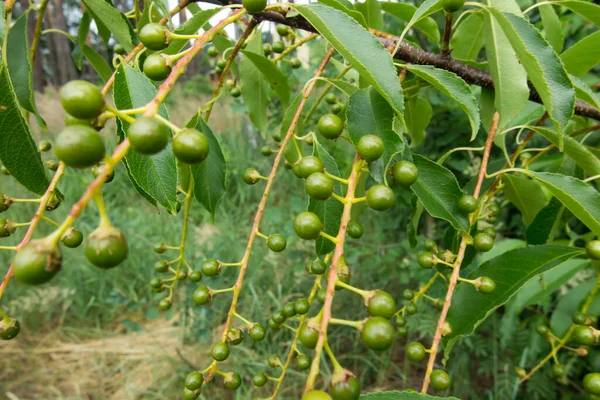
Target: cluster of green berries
[(289, 310)]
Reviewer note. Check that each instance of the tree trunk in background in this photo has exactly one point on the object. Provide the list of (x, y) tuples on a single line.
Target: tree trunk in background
[(64, 66)]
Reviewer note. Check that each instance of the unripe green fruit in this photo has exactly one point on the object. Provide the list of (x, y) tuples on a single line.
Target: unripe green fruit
[(490, 231), (321, 295), (235, 92), (591, 383), (164, 304), (411, 308), (278, 47), (592, 249), (276, 242), (542, 330), (52, 165), (303, 362), (232, 381), (370, 147), (194, 380), (402, 331), (452, 5), (267, 49), (584, 335), (211, 267), (37, 262), (308, 336), (337, 108), (257, 332), (301, 306), (201, 295), (190, 394), (425, 259), (159, 247), (493, 209), (106, 247), (316, 395), (148, 135), (274, 361), (79, 146), (235, 336), (377, 334), (278, 317), (483, 242), (307, 225), (319, 186), (44, 145), (408, 294), (415, 351), (439, 379), (330, 98), (72, 238), (71, 120), (486, 285), (288, 310), (220, 351), (580, 319), (401, 320), (430, 245), (259, 380), (330, 126), (558, 370), (212, 51), (157, 67), (380, 197), (405, 173), (347, 388), (9, 328), (156, 283), (382, 304), (153, 36), (355, 229), (254, 6), (98, 170), (190, 146), (195, 276), (309, 165), (468, 204), (5, 202), (273, 325), (318, 267), (266, 151), (295, 63), (81, 99), (250, 176), (7, 227), (283, 30), (119, 49)]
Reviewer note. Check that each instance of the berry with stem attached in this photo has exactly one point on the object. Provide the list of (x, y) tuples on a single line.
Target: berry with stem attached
[(377, 334), (303, 362), (194, 380), (558, 370), (195, 276), (330, 126), (439, 379), (148, 135), (283, 30), (81, 99), (485, 285), (344, 386), (257, 332), (259, 380), (212, 51), (318, 267), (276, 242), (405, 173), (72, 238), (308, 336), (278, 47), (98, 170), (330, 98), (165, 304), (381, 304), (301, 306), (307, 225), (235, 92), (201, 295), (153, 36), (380, 197), (319, 186), (250, 176), (157, 67), (584, 335), (468, 204), (425, 259), (254, 6), (295, 63), (106, 247), (415, 351), (580, 318), (220, 351), (309, 165), (483, 242), (190, 146), (355, 229), (232, 381), (370, 147), (211, 267), (79, 146), (9, 328), (37, 262)]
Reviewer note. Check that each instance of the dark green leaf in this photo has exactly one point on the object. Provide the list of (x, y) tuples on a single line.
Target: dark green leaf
[(552, 27), (255, 89), (526, 194), (371, 10), (468, 39), (583, 92), (586, 9), (418, 116), (544, 224), (405, 12), (272, 74), (426, 8), (114, 20), (98, 63), (344, 86), (346, 7), (583, 55)]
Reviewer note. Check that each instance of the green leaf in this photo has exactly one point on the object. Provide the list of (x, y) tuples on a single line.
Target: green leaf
[(510, 271), (426, 8), (408, 395), (510, 78), (418, 116), (156, 175), (82, 33), (344, 86), (468, 39), (583, 55), (552, 27), (453, 86), (570, 304), (543, 66), (362, 50), (190, 27), (526, 194), (584, 93), (222, 43), (18, 152), (330, 210), (371, 10), (254, 87), (290, 153), (346, 7), (370, 114), (18, 61), (114, 20), (586, 9), (98, 63), (544, 224), (3, 28), (272, 74), (439, 192), (579, 197), (209, 175), (413, 227), (405, 12)]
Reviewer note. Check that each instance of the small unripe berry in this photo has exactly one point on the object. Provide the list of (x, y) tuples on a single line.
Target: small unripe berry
[(254, 6), (153, 36), (330, 126), (468, 204), (106, 247), (585, 335), (276, 242), (370, 147), (301, 306), (309, 165), (259, 380), (295, 63), (415, 351), (439, 379), (355, 229), (377, 334), (303, 362), (44, 145), (558, 370), (485, 285), (250, 176), (405, 173), (307, 225), (201, 295), (308, 336), (592, 249), (81, 99), (72, 238), (232, 381), (220, 351), (212, 51), (235, 92), (278, 47), (164, 304), (159, 247), (148, 135), (283, 30), (98, 170), (257, 332), (211, 267), (157, 67), (190, 146), (591, 383), (79, 146), (425, 259), (483, 242), (380, 197), (319, 186), (194, 380), (381, 304)]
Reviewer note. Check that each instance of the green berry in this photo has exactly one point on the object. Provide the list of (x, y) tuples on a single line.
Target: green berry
[(279, 317), (493, 209), (542, 330), (370, 148), (254, 6), (235, 336), (273, 325), (106, 247), (276, 242), (321, 295), (159, 247), (401, 320), (157, 67), (5, 202), (318, 267), (337, 108), (164, 304), (490, 231), (153, 36), (220, 351), (405, 173), (309, 165), (278, 47), (319, 186), (259, 380), (483, 242), (439, 379), (190, 146), (181, 275), (235, 92), (295, 63), (308, 336), (486, 285), (452, 5), (52, 165), (194, 380), (584, 335), (355, 229), (411, 308), (7, 227), (408, 294), (346, 388), (307, 225), (79, 146), (330, 126), (257, 332), (81, 99), (415, 351), (289, 310), (283, 30), (267, 49), (303, 362), (266, 151), (190, 394), (558, 370), (377, 334), (402, 331), (382, 304), (195, 276), (232, 381), (250, 176), (430, 245), (425, 259), (221, 63), (99, 169), (301, 306), (9, 328), (468, 204), (37, 262), (330, 98), (380, 197), (72, 238), (44, 145), (580, 318), (316, 395), (156, 283), (592, 249), (201, 295), (211, 267), (119, 49), (148, 135), (591, 383), (274, 361), (212, 51)]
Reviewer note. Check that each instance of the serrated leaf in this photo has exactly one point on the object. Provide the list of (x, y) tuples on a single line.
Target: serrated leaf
[(156, 175), (586, 9), (544, 223), (272, 74), (579, 197), (209, 175), (114, 20), (583, 55), (405, 12), (371, 10), (344, 86), (418, 116), (330, 210), (98, 63), (584, 93), (189, 27), (552, 27), (543, 66), (453, 86), (468, 39), (370, 114), (254, 87), (82, 33), (408, 395), (510, 271), (438, 190), (525, 194), (18, 153), (341, 5), (426, 8), (18, 61), (562, 315), (362, 50)]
